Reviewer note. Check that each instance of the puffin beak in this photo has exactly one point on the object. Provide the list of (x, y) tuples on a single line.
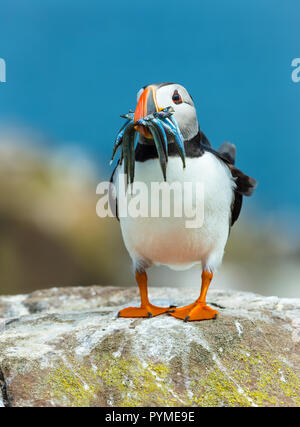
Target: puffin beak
[(146, 105)]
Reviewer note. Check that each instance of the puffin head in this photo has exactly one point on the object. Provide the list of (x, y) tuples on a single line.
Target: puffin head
[(156, 97)]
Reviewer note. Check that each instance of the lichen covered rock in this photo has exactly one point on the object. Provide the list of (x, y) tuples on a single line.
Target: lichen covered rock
[(66, 347)]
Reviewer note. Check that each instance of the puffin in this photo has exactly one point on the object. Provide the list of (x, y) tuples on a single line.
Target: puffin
[(161, 240)]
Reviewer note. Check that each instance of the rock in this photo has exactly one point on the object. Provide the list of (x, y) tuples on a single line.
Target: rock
[(66, 347)]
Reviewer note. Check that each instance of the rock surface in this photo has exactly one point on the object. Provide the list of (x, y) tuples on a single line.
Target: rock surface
[(66, 347)]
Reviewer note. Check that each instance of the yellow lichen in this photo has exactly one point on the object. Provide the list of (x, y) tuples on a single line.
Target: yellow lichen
[(137, 383), (216, 389), (69, 386), (268, 380), (256, 379), (131, 382)]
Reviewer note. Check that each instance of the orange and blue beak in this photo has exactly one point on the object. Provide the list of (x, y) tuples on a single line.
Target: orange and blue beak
[(147, 104)]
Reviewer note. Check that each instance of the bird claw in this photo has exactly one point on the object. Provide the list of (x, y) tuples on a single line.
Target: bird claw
[(194, 312), (147, 311)]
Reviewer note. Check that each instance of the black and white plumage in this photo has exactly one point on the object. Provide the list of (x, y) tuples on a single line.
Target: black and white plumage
[(167, 241)]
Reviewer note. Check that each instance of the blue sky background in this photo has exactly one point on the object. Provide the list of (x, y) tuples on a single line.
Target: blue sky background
[(73, 66)]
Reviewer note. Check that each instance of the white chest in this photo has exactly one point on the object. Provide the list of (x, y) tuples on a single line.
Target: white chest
[(167, 240)]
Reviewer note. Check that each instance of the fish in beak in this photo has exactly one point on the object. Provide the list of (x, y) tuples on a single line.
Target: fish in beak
[(153, 123)]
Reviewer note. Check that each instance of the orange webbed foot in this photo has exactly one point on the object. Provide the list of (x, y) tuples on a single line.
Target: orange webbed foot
[(148, 310), (194, 312)]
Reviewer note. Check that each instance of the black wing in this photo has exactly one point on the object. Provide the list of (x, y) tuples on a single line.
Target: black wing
[(228, 151), (245, 185)]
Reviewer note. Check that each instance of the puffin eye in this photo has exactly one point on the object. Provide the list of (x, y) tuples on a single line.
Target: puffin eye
[(176, 98)]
